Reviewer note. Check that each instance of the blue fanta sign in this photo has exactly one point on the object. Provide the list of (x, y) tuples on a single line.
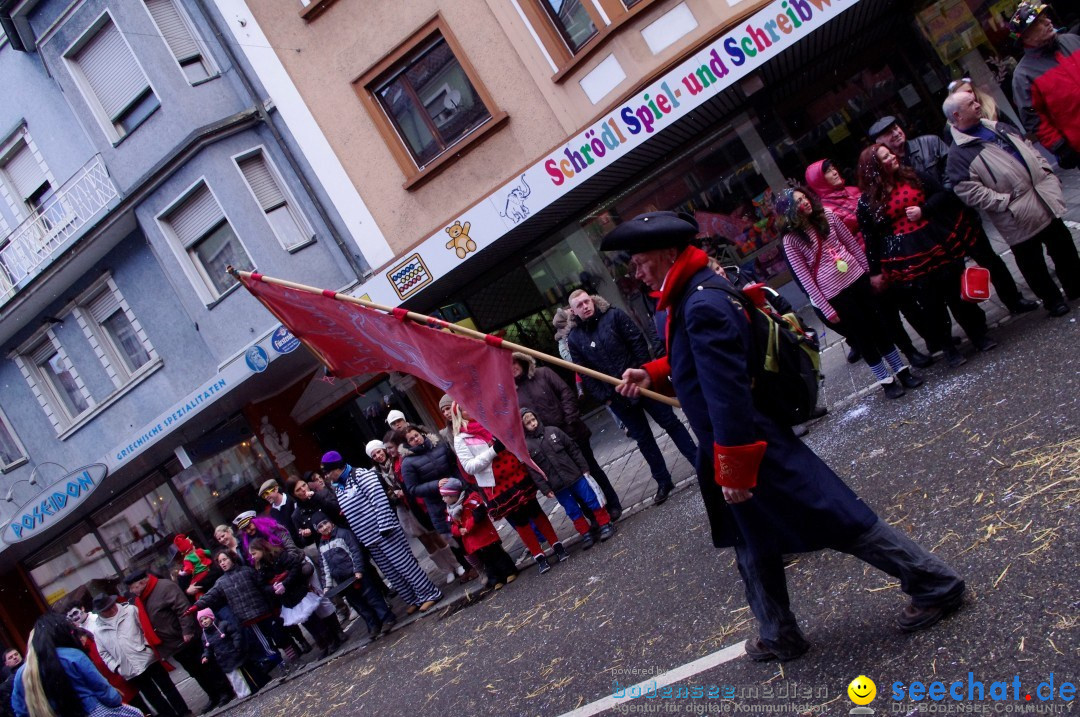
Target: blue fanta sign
[(283, 341), (54, 503), (256, 358)]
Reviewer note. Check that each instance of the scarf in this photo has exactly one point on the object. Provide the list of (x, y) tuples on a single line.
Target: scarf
[(454, 509), (473, 428), (690, 261)]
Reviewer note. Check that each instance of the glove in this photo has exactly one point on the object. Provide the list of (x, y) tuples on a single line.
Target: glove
[(499, 446), (1068, 158)]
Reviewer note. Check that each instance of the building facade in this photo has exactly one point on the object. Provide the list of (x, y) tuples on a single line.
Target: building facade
[(144, 392)]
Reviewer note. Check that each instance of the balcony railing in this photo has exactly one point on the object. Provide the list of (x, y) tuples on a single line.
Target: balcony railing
[(34, 243)]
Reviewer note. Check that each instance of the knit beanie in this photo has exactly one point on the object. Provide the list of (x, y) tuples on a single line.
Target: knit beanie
[(372, 446), (205, 612), (450, 486), (445, 401), (318, 518), (393, 416)]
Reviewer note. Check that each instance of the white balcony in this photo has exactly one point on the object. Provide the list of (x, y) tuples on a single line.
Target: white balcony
[(34, 243)]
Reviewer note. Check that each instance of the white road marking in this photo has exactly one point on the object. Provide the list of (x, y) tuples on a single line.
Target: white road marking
[(670, 677)]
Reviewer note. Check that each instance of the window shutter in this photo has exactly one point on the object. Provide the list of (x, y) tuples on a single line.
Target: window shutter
[(102, 306), (24, 171), (196, 216), (173, 28), (257, 173), (111, 71)]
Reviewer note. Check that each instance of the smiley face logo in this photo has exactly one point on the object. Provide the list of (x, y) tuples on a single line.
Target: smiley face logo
[(862, 690)]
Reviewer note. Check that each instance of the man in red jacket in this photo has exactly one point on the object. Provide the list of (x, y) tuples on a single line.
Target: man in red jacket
[(1046, 83)]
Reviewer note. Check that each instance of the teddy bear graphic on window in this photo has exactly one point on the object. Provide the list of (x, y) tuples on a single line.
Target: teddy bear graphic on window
[(460, 241)]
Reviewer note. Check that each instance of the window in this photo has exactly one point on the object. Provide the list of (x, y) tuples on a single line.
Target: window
[(426, 99), (176, 29), (12, 452), (266, 186), (113, 331), (572, 20), (112, 79), (56, 384), (208, 240), (28, 186)]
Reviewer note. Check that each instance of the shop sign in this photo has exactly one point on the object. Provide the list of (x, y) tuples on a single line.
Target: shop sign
[(52, 504), (676, 94), (283, 341), (257, 359)]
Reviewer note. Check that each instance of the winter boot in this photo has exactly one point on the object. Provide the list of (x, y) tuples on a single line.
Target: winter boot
[(542, 564), (560, 553), (893, 389), (607, 531), (909, 378)]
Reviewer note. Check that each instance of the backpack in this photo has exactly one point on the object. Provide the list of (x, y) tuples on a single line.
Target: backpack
[(785, 366)]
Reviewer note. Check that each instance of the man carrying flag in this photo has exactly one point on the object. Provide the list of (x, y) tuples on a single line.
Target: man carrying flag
[(766, 493)]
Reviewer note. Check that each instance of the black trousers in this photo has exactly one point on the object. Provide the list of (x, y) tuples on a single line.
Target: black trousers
[(209, 676), (157, 687), (1057, 240), (984, 255), (936, 294), (497, 563), (858, 310)]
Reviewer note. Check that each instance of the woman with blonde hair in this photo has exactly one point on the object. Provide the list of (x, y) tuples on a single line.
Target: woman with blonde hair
[(59, 680)]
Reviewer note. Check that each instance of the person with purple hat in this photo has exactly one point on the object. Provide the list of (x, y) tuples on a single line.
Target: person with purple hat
[(765, 492), (376, 526), (1046, 82)]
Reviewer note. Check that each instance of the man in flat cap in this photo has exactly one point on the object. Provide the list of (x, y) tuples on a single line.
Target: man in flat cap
[(928, 154), (765, 492), (1046, 83), (282, 507)]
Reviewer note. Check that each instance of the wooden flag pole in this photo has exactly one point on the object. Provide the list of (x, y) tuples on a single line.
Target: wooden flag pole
[(463, 330)]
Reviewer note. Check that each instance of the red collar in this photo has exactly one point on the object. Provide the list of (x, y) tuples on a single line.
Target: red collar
[(690, 261)]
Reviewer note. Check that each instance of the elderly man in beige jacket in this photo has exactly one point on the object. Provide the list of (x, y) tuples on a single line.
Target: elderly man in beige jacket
[(993, 168)]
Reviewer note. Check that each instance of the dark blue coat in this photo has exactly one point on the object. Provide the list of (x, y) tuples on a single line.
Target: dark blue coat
[(799, 503), (609, 342), (422, 470)]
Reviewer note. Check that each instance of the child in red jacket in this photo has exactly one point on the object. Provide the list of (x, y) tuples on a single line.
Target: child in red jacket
[(470, 524)]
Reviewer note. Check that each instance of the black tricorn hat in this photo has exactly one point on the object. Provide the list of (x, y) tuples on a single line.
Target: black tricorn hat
[(654, 230)]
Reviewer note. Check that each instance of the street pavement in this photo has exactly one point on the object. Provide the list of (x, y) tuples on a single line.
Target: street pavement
[(980, 465)]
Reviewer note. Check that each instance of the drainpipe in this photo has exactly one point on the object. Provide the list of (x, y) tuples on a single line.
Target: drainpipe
[(260, 107)]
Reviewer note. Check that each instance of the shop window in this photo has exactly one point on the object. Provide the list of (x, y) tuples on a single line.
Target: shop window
[(12, 453), (179, 34), (228, 465), (113, 332), (288, 225), (56, 384), (111, 78), (138, 527), (69, 566), (207, 241), (426, 99)]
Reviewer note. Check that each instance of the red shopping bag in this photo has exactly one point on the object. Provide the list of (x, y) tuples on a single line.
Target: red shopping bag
[(975, 284)]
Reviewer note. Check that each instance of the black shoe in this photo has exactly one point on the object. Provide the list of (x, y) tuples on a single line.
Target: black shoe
[(819, 412), (587, 540), (560, 554), (853, 355), (914, 618), (918, 359), (662, 493), (909, 378), (225, 699), (757, 651), (607, 531), (614, 513), (1058, 310), (954, 358), (800, 430), (893, 389), (542, 564), (984, 343), (1022, 306), (305, 646)]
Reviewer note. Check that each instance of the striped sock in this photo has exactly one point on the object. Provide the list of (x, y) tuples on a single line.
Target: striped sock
[(895, 362), (880, 372)]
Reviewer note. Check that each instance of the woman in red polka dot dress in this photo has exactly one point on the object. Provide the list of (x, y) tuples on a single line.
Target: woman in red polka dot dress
[(916, 237), (507, 485)]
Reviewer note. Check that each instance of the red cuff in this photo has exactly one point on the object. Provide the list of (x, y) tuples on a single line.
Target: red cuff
[(659, 372), (737, 466)]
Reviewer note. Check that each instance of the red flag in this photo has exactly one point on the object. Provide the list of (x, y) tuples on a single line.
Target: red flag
[(352, 340)]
